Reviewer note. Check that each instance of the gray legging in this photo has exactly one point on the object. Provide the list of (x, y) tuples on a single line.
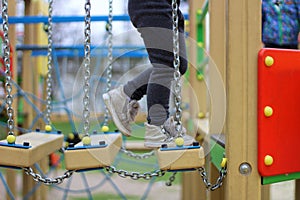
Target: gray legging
[(153, 20)]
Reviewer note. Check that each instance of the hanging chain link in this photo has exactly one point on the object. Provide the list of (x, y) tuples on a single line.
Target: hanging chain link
[(8, 86), (219, 182), (48, 181), (135, 175), (110, 56), (176, 64), (49, 64), (137, 156), (87, 62), (171, 179)]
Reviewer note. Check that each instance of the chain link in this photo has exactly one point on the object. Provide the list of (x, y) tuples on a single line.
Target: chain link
[(176, 64), (110, 56), (87, 62), (219, 182), (137, 156), (49, 64), (6, 57), (135, 175), (48, 181), (171, 179)]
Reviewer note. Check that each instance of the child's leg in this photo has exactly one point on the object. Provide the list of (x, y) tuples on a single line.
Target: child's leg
[(153, 19)]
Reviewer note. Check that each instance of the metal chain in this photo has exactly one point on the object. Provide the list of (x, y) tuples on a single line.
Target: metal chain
[(49, 64), (135, 175), (176, 64), (171, 179), (110, 56), (137, 156), (48, 181), (8, 86), (219, 182), (87, 62)]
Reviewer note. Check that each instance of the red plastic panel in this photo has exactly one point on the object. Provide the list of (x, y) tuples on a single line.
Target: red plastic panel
[(279, 128)]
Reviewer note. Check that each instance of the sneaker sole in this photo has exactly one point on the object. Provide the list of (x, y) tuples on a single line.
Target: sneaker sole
[(114, 115), (158, 145)]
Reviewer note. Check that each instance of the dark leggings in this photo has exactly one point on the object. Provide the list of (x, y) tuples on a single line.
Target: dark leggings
[(153, 20)]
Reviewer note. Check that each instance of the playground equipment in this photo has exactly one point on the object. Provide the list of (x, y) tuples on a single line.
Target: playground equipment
[(190, 157), (234, 46)]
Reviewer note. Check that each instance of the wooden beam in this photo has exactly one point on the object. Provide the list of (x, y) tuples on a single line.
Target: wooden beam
[(243, 43), (217, 69)]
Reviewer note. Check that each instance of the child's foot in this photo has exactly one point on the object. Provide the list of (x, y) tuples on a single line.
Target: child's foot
[(122, 110), (155, 136)]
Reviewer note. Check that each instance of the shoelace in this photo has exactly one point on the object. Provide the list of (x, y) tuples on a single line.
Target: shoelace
[(133, 109)]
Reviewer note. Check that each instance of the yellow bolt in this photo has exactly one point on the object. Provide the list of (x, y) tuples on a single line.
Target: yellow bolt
[(200, 44), (268, 111), (48, 128), (105, 129), (224, 162), (201, 115), (269, 61), (179, 141), (200, 77), (199, 11), (268, 160), (86, 140), (71, 136), (11, 139)]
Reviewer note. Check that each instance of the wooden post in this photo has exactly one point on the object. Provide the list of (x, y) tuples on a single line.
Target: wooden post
[(243, 44), (28, 72), (217, 68), (192, 186)]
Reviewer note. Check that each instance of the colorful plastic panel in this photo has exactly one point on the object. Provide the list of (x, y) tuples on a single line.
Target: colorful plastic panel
[(278, 111)]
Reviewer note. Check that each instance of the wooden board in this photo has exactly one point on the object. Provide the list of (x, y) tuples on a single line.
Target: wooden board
[(179, 158), (94, 156), (41, 145)]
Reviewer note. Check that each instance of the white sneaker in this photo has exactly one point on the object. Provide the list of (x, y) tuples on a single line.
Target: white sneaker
[(155, 136), (121, 109)]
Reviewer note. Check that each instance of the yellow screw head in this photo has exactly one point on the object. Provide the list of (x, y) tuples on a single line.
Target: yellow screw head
[(179, 141), (86, 140), (268, 111), (11, 139), (105, 129), (201, 115), (200, 77), (71, 136), (269, 61), (268, 160), (224, 162), (48, 128), (200, 44)]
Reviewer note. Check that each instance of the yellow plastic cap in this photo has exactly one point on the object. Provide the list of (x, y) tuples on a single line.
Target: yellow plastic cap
[(268, 160), (105, 129), (11, 139), (86, 140), (269, 61), (179, 141), (268, 111)]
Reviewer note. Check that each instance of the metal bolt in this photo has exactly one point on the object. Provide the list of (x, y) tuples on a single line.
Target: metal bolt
[(245, 169)]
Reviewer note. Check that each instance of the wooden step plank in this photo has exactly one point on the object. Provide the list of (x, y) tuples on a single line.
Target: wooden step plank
[(180, 158), (94, 156), (41, 145), (136, 146)]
